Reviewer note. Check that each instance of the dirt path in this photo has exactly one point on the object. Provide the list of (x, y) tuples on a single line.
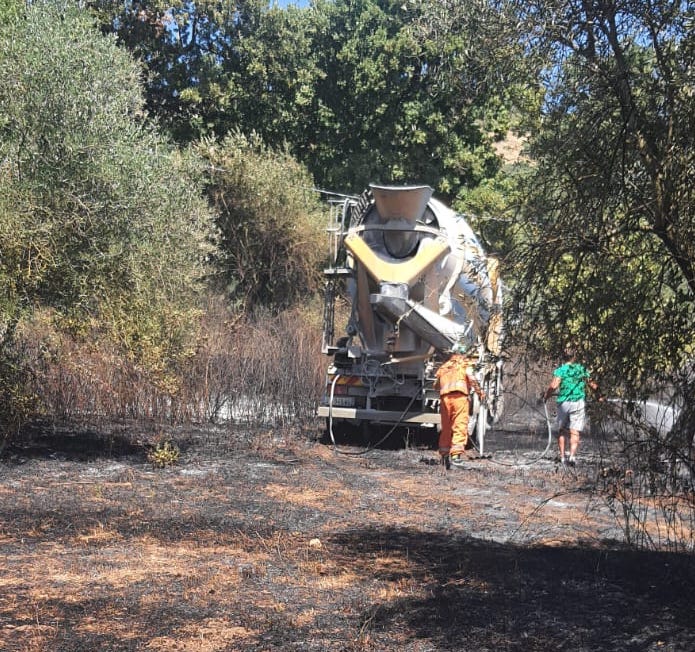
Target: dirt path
[(245, 546)]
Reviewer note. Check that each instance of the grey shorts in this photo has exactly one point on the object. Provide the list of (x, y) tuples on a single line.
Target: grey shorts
[(571, 415)]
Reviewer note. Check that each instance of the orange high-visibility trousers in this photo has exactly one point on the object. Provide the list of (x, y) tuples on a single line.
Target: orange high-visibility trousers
[(453, 437)]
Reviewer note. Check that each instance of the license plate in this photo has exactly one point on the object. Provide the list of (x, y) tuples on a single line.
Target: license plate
[(343, 401)]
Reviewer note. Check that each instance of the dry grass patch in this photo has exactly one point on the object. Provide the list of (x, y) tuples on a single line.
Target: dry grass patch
[(241, 551), (212, 635)]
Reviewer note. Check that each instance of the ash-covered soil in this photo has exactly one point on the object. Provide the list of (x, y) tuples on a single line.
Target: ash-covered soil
[(271, 541)]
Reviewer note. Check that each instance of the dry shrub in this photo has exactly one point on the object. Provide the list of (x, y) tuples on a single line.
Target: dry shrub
[(265, 369), (16, 399), (646, 478), (88, 379), (260, 369)]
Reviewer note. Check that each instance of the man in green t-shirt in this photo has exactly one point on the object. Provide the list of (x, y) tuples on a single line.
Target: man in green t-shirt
[(570, 381)]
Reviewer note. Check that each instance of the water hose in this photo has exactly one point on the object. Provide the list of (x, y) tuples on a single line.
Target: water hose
[(369, 448), (543, 454)]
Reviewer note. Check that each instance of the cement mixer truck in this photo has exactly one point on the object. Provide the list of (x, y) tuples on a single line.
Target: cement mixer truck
[(415, 280)]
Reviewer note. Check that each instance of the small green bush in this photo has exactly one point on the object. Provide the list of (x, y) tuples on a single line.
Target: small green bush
[(165, 453)]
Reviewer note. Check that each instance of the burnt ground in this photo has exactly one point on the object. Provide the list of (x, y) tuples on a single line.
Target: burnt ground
[(270, 542)]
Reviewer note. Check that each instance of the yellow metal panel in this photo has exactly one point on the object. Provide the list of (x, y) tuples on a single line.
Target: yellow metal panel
[(404, 272)]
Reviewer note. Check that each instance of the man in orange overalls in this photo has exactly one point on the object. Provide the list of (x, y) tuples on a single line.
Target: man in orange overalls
[(455, 379)]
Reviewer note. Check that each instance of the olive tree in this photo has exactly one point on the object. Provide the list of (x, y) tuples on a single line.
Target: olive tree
[(102, 221)]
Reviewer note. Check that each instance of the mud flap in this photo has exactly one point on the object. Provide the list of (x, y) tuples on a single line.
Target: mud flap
[(481, 427)]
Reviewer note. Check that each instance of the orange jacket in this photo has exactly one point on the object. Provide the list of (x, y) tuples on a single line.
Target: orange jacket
[(453, 376)]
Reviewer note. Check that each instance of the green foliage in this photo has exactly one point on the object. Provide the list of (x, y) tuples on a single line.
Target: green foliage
[(165, 453), (386, 109), (608, 233), (492, 205), (360, 91), (10, 9), (215, 66), (100, 218), (271, 240)]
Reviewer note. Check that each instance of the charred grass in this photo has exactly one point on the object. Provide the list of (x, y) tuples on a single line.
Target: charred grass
[(268, 540)]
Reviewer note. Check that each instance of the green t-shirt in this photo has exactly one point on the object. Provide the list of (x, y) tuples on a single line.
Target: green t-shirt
[(573, 377)]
